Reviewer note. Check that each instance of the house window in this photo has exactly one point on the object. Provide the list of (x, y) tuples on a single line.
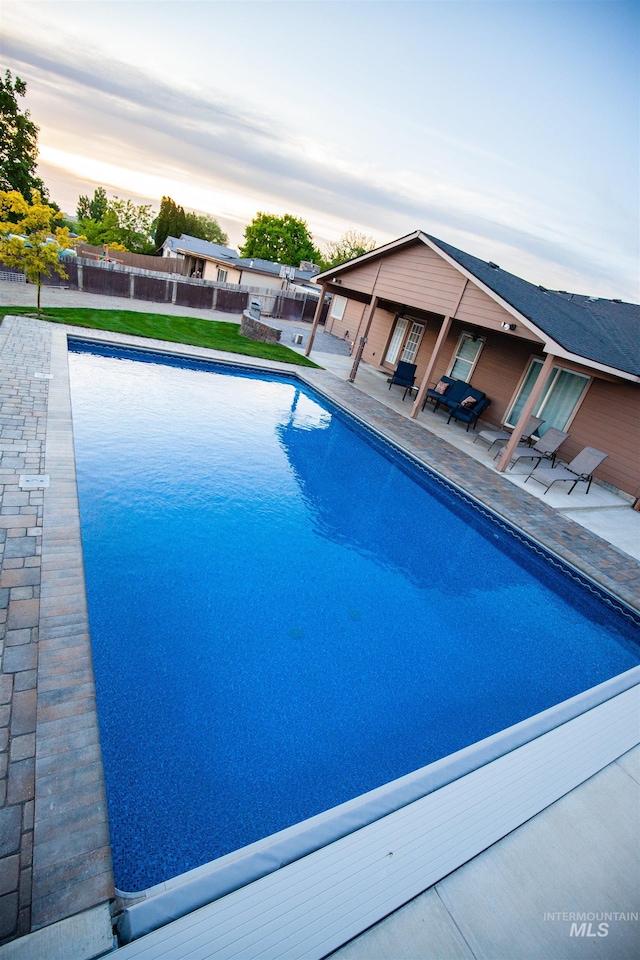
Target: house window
[(560, 396), (222, 275), (466, 357), (338, 306)]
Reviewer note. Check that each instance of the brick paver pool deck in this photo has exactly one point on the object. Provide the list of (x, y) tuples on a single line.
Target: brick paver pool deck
[(54, 842)]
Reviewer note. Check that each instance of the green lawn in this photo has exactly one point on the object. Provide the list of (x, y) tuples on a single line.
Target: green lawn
[(200, 333)]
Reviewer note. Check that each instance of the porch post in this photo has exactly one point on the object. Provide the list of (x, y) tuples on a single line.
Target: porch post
[(363, 339), (442, 336), (316, 319), (527, 410), (367, 318)]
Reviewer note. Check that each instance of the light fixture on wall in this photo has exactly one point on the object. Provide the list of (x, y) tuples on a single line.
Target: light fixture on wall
[(507, 326)]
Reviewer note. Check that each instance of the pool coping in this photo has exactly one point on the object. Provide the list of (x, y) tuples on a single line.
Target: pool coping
[(61, 885)]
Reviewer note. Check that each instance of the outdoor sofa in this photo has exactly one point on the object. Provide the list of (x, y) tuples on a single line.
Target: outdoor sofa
[(463, 402)]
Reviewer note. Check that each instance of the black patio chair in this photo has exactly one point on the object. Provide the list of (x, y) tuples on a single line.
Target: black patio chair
[(404, 376)]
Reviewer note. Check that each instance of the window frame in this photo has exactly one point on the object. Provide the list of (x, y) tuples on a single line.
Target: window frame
[(338, 300)]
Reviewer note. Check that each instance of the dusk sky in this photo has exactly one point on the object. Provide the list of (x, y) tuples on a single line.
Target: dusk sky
[(509, 128)]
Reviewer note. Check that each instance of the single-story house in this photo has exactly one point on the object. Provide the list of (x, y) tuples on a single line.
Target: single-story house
[(211, 261), (573, 360)]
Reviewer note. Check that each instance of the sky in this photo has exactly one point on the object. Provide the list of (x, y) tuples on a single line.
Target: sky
[(508, 128)]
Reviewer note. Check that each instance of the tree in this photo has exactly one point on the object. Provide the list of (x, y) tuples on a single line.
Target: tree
[(280, 239), (350, 245), (205, 227), (172, 221), (93, 209), (123, 225), (37, 249), (18, 142)]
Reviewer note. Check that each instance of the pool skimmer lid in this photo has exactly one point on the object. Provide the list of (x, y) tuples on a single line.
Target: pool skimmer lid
[(34, 481)]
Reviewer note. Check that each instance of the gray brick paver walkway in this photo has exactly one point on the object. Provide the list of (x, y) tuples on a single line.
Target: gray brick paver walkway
[(22, 399)]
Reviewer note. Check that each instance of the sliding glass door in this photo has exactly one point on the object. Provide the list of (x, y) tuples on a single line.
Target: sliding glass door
[(560, 396)]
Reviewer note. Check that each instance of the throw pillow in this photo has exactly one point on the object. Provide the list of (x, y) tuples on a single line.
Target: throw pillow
[(468, 402), (441, 386)]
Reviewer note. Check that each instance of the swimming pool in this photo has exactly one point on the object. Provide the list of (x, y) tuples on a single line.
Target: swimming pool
[(271, 635)]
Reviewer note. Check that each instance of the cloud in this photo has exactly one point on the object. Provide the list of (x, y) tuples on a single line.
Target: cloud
[(135, 120)]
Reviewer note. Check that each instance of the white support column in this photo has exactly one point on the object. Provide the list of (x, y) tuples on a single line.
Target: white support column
[(527, 411)]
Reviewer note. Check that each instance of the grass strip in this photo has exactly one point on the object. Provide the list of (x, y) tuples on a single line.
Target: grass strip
[(213, 334)]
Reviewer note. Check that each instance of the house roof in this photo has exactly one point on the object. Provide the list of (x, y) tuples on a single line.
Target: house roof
[(204, 248), (607, 332), (213, 251)]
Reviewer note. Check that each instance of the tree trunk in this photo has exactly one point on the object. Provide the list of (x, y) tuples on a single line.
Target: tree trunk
[(39, 289)]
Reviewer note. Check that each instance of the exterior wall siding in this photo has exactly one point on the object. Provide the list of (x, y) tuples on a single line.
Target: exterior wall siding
[(346, 328), (608, 420), (414, 277), (477, 307), (211, 272)]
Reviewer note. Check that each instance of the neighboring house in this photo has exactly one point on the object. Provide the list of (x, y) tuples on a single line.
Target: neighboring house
[(210, 261), (573, 360)]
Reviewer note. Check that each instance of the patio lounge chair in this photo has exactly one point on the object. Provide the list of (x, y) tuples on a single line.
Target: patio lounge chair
[(543, 449), (580, 468), (469, 414), (404, 376), (502, 436)]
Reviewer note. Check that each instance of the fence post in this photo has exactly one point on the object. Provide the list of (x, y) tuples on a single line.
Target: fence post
[(131, 286), (80, 277), (214, 298), (174, 293)]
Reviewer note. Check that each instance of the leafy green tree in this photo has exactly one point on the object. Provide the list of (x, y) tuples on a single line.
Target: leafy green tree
[(350, 245), (123, 225), (38, 248), (280, 239), (18, 141), (93, 209)]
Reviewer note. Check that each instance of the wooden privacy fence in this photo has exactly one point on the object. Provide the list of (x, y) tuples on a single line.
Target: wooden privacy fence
[(119, 280)]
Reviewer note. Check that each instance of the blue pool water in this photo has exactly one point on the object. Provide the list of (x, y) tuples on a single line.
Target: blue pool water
[(284, 614)]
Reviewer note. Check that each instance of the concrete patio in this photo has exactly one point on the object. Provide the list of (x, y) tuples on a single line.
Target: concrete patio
[(518, 899)]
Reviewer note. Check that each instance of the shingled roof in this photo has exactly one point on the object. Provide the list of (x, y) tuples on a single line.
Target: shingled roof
[(605, 331)]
